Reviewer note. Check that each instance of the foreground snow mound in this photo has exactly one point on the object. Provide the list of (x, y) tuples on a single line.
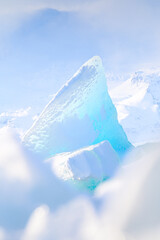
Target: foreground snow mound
[(134, 196), (81, 114), (13, 162), (88, 166), (138, 104), (128, 206), (25, 183)]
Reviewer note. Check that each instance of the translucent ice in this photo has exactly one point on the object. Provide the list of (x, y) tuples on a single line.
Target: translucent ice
[(81, 114), (88, 166)]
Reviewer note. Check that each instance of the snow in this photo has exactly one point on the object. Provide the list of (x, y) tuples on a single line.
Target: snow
[(80, 138), (81, 114), (132, 198), (90, 165), (13, 162), (128, 206), (37, 223), (124, 207), (138, 105), (25, 183)]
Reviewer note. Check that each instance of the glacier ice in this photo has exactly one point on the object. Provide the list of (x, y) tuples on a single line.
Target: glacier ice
[(81, 114), (88, 166)]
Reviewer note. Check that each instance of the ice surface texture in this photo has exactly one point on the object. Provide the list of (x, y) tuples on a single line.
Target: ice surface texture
[(81, 114), (89, 166)]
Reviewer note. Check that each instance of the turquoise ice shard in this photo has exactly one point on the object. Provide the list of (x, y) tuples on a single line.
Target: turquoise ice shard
[(80, 114)]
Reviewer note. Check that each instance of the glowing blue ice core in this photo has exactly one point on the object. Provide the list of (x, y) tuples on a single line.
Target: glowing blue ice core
[(81, 114)]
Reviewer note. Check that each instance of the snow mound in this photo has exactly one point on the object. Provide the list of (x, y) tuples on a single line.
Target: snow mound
[(25, 183), (127, 207), (13, 162), (138, 105), (134, 195), (81, 114), (90, 165)]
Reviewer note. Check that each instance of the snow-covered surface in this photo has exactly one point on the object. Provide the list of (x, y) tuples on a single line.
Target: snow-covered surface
[(126, 207), (138, 105), (37, 202), (81, 114), (134, 194), (13, 162), (25, 183), (91, 164)]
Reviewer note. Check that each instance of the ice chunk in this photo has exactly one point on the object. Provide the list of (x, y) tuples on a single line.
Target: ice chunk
[(81, 114), (87, 166)]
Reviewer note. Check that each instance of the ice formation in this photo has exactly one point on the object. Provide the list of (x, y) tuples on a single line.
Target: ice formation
[(81, 114), (88, 166), (138, 105)]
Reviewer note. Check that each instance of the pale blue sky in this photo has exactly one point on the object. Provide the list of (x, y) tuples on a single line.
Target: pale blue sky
[(43, 42)]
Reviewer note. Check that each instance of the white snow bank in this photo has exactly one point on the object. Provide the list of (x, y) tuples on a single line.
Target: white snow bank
[(76, 220), (25, 183), (13, 162), (127, 207), (131, 201), (37, 224)]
